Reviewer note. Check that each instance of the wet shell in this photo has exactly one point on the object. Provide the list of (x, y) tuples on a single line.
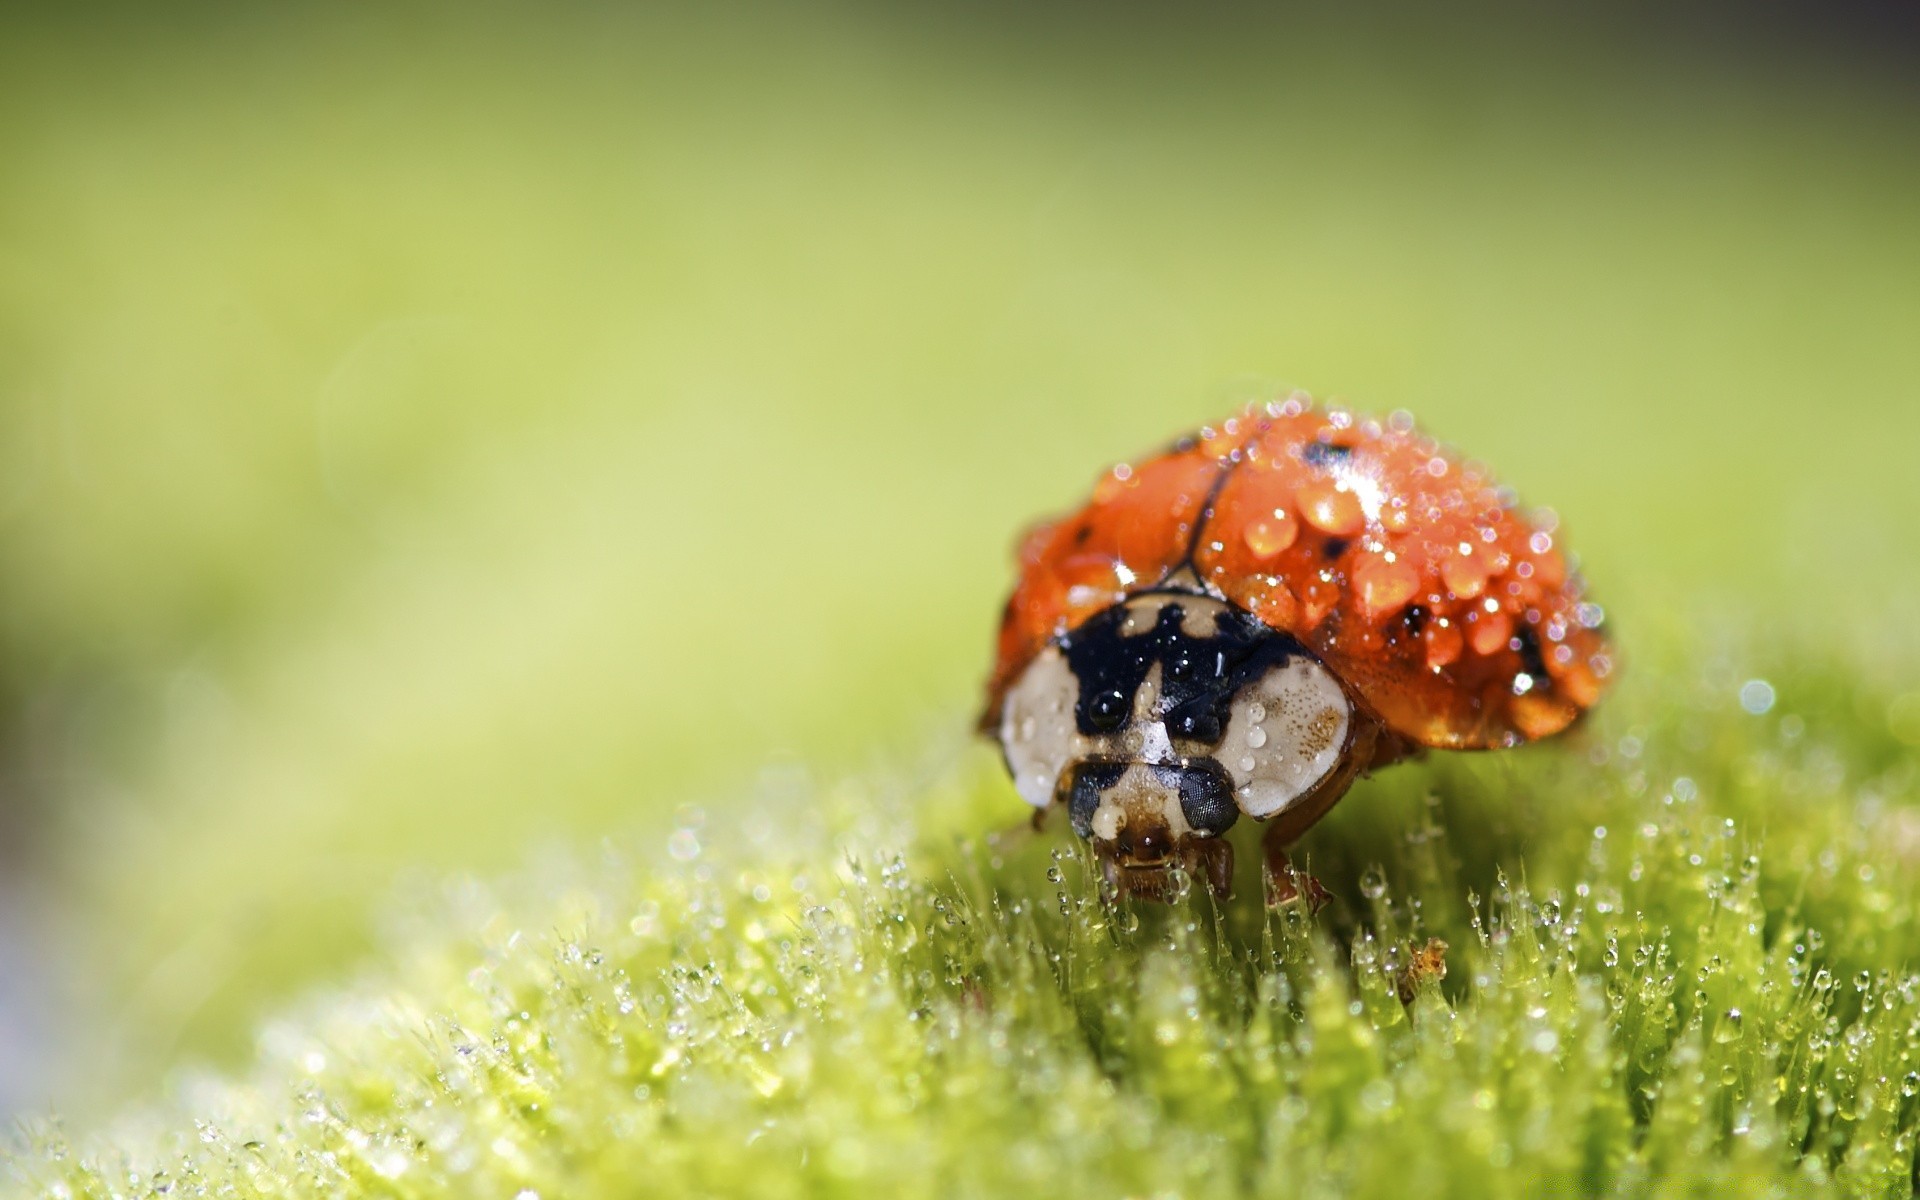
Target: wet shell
[(1451, 614)]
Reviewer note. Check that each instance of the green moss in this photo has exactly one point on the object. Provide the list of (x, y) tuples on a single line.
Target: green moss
[(1677, 965)]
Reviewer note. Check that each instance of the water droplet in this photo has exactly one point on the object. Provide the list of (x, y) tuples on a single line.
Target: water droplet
[(1490, 632), (390, 1163), (1756, 696), (1444, 642), (1256, 738), (1464, 573), (1269, 535), (1331, 509), (1373, 884), (1385, 586)]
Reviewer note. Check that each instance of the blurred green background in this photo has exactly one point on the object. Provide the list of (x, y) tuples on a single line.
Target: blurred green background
[(428, 433)]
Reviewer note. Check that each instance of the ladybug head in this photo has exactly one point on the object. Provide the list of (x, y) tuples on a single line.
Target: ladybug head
[(1144, 818), (1159, 721)]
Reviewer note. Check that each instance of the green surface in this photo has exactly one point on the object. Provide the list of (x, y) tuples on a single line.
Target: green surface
[(428, 438), (1663, 1001)]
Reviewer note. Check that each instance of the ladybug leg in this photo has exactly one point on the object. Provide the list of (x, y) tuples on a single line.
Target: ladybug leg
[(1372, 746), (1214, 859), (1286, 884)]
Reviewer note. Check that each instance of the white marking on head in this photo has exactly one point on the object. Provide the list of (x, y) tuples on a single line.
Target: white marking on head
[(1285, 733), (1037, 728), (1199, 615), (1155, 745), (1138, 795)]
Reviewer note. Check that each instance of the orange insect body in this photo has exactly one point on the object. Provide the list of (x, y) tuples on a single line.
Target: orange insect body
[(1251, 620), (1449, 613)]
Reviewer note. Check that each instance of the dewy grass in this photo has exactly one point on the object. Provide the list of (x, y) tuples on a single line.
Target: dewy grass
[(1676, 953)]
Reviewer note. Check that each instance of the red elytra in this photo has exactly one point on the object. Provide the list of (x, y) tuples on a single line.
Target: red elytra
[(1448, 612)]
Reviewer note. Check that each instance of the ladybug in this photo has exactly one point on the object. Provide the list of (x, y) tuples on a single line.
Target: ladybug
[(1272, 607)]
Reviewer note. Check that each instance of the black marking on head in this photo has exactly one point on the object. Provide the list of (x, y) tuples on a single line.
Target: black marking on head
[(1199, 676), (1334, 547), (1090, 779), (1325, 454), (1531, 660), (1206, 795)]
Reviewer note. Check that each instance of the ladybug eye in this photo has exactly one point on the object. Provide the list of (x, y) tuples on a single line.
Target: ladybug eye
[(1108, 710), (1089, 782), (1206, 797)]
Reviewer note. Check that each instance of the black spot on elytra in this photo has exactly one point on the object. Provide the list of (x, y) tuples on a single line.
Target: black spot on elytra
[(1531, 660), (1081, 535), (1415, 618), (1334, 548), (1199, 676), (1325, 454)]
